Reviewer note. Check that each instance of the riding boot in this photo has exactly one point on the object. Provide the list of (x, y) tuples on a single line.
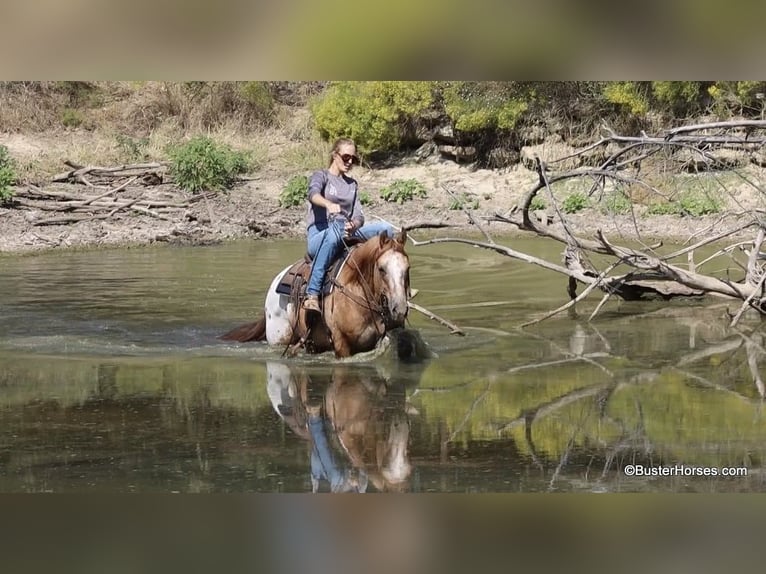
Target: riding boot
[(311, 303)]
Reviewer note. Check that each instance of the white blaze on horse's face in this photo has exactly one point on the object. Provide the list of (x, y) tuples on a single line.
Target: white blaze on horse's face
[(396, 466), (394, 268)]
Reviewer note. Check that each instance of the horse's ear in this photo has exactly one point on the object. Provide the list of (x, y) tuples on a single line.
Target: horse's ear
[(383, 238), (401, 237)]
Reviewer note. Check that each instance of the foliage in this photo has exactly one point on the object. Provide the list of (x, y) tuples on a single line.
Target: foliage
[(203, 164), (295, 191), (537, 203), (376, 115), (258, 99), (629, 95), (575, 202), (695, 204), (475, 106), (681, 98), (8, 175), (464, 201), (403, 190), (616, 204), (742, 98), (71, 118), (364, 198), (134, 149)]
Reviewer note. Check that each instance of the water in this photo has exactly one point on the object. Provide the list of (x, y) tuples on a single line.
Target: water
[(112, 380)]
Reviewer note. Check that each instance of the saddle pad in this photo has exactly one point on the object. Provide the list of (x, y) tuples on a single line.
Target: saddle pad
[(297, 277)]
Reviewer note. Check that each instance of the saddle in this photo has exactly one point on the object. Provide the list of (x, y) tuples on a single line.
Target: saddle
[(295, 281)]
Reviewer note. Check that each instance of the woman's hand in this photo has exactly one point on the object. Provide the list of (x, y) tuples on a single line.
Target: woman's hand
[(350, 227), (332, 207)]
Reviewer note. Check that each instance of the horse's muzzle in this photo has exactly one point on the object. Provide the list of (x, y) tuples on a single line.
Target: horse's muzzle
[(394, 313)]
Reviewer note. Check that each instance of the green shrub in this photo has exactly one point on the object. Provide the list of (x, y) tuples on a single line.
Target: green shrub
[(203, 164), (364, 198), (679, 97), (134, 149), (258, 98), (663, 208), (537, 203), (464, 201), (8, 175), (616, 204), (403, 190), (630, 95), (295, 191), (476, 106), (740, 98), (376, 115), (575, 202), (695, 204), (71, 118)]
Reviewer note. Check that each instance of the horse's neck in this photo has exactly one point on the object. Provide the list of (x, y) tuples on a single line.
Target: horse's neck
[(358, 268)]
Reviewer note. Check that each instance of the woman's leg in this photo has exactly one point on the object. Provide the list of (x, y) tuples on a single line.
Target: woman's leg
[(322, 248), (370, 230)]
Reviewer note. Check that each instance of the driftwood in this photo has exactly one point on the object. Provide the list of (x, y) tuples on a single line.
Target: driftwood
[(89, 201), (651, 274), (150, 172)]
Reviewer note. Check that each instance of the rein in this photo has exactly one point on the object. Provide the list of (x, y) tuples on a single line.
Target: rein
[(368, 302)]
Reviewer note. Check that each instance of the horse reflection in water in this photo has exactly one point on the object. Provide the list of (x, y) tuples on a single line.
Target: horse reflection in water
[(356, 420)]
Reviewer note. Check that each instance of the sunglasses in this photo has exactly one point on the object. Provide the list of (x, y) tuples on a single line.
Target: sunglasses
[(349, 158)]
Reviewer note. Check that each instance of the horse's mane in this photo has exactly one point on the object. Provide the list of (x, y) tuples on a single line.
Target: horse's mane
[(364, 256)]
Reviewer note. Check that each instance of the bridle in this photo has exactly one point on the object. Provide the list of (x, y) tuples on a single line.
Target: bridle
[(379, 307)]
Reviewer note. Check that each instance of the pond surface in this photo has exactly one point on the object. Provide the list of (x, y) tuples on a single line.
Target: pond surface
[(112, 379)]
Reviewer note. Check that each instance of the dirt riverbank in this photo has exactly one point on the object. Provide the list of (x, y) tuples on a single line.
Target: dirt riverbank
[(251, 210)]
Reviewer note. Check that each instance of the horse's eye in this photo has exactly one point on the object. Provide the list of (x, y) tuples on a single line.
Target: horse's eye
[(382, 270)]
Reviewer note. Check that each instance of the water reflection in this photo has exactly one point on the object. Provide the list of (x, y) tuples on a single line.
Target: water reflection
[(356, 419), (96, 398)]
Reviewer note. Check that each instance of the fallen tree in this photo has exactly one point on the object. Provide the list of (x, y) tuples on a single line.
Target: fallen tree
[(640, 171)]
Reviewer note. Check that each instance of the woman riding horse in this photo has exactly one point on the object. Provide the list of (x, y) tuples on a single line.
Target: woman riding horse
[(334, 213)]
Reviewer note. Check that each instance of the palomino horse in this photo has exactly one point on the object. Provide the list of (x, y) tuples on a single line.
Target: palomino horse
[(369, 298), (366, 415)]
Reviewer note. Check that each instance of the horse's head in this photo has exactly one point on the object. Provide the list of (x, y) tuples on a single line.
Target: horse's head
[(391, 278)]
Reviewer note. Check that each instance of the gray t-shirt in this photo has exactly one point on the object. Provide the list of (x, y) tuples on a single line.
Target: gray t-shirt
[(339, 189)]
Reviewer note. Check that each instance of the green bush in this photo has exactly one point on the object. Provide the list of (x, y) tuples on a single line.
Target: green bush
[(203, 164), (134, 149), (258, 98), (575, 202), (630, 95), (697, 204), (295, 191), (71, 118), (464, 201), (403, 190), (537, 203), (681, 98), (8, 175), (693, 203), (364, 198), (616, 204), (740, 98), (476, 106), (376, 115)]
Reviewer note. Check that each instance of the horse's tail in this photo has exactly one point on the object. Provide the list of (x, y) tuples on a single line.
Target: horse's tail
[(248, 332)]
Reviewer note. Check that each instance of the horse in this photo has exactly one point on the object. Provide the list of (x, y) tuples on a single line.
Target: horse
[(367, 416), (369, 297)]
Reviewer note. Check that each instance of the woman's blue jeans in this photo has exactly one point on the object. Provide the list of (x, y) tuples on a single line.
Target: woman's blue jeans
[(325, 244)]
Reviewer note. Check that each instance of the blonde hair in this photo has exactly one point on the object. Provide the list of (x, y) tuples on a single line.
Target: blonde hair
[(337, 145)]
